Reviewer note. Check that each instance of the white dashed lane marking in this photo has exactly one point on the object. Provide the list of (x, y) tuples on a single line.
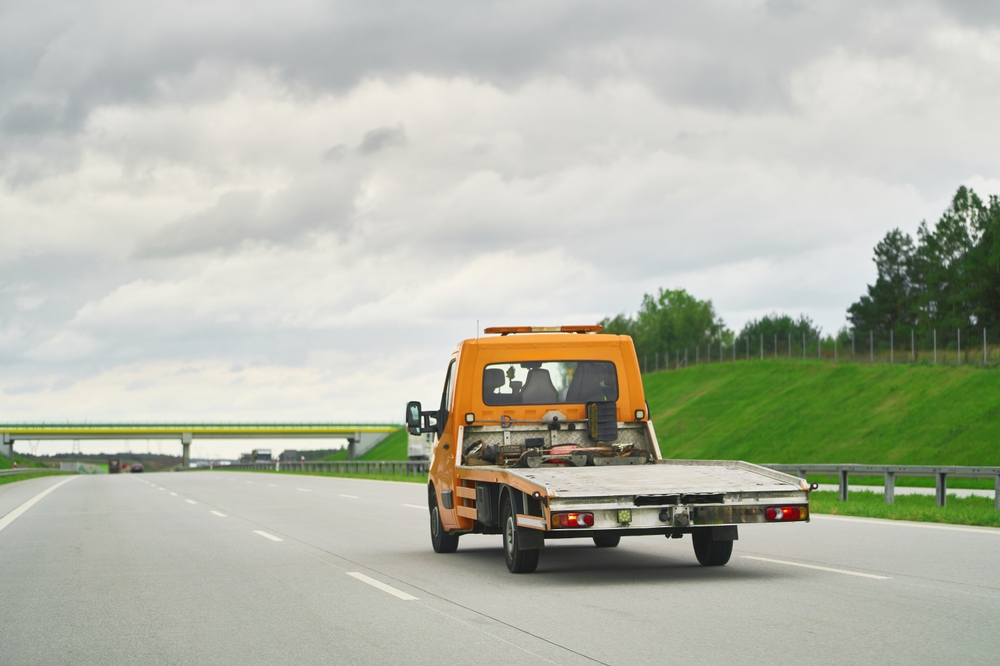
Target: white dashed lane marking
[(382, 586), (219, 514), (415, 506), (190, 501), (267, 536), (350, 496)]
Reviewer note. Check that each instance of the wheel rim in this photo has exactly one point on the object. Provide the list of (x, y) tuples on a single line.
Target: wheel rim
[(508, 537), (435, 522)]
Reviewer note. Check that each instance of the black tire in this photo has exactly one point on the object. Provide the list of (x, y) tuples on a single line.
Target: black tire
[(518, 560), (440, 539), (606, 540), (711, 553)]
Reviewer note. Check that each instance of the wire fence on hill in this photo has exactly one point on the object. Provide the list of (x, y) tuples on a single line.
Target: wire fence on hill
[(953, 347)]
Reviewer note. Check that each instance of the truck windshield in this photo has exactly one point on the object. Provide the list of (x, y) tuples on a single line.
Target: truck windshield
[(549, 382)]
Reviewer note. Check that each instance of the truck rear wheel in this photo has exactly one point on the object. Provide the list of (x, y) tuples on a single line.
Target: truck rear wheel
[(711, 553), (518, 560), (606, 541), (440, 539)]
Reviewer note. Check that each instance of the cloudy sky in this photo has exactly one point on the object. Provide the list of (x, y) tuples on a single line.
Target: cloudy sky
[(292, 211)]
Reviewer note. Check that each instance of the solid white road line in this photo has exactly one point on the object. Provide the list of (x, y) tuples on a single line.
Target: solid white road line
[(267, 536), (220, 515), (13, 515), (190, 501), (350, 496), (416, 506), (382, 586), (908, 523), (817, 568)]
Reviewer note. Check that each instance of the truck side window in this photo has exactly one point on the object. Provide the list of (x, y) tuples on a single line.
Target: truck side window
[(446, 398)]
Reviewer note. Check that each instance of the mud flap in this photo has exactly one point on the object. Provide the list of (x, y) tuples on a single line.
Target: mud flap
[(725, 533), (528, 539)]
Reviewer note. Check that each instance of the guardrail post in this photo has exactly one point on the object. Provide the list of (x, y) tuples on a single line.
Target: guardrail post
[(843, 485), (996, 493), (940, 488), (890, 487)]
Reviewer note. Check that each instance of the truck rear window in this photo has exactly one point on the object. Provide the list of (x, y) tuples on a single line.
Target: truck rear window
[(549, 382)]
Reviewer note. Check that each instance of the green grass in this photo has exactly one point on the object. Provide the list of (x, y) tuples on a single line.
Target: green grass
[(797, 411), (11, 478), (392, 447), (6, 463), (959, 510)]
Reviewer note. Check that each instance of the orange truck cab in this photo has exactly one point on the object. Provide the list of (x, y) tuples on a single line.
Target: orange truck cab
[(544, 433)]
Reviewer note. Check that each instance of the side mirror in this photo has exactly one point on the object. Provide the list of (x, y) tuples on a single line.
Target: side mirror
[(413, 420)]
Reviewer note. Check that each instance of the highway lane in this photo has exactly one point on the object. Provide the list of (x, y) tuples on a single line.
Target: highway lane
[(188, 568)]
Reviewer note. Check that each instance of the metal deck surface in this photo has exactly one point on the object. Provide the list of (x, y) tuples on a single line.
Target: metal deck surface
[(672, 476)]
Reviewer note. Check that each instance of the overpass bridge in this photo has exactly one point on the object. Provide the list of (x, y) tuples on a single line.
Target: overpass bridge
[(361, 437)]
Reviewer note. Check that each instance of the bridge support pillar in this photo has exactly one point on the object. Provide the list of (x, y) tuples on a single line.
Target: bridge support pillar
[(186, 444), (7, 446)]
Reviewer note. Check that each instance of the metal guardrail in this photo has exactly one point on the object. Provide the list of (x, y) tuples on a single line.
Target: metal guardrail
[(384, 467), (24, 470), (890, 472)]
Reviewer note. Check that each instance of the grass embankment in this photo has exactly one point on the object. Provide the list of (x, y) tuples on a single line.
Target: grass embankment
[(795, 411), (392, 447), (821, 412)]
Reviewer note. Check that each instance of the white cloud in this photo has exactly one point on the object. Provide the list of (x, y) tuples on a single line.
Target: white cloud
[(331, 211)]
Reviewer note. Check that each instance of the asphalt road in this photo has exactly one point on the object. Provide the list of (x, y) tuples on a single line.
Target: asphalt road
[(251, 568)]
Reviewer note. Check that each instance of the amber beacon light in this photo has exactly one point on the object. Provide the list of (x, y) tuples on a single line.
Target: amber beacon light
[(507, 330)]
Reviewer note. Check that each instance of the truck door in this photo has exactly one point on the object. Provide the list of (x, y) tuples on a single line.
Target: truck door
[(443, 455)]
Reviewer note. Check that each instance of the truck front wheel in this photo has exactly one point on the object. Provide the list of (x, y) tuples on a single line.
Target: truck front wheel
[(518, 560), (711, 553), (440, 539)]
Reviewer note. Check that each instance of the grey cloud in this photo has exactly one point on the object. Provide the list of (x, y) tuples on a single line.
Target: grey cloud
[(715, 53), (21, 389), (233, 219), (382, 138), (321, 200)]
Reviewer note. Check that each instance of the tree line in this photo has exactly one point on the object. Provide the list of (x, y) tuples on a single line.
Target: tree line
[(947, 279)]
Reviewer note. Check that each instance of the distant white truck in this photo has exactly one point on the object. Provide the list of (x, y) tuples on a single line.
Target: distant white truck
[(419, 446)]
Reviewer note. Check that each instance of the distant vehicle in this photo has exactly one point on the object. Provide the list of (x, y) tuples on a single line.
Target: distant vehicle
[(260, 455), (419, 446), (114, 465), (136, 468), (289, 455), (245, 458)]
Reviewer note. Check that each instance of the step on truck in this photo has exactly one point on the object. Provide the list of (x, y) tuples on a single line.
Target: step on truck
[(544, 433)]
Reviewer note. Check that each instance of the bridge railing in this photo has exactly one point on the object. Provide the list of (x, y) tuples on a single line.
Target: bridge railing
[(375, 467), (940, 473)]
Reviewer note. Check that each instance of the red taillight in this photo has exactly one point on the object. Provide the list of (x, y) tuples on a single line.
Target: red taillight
[(783, 513), (573, 519)]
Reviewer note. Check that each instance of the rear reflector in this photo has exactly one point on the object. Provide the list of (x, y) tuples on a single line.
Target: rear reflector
[(786, 513), (572, 519)]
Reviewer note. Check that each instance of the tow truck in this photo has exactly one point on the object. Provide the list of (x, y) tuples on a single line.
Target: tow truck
[(544, 433)]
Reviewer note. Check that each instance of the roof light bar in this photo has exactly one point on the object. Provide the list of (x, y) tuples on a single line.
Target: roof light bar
[(507, 330)]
